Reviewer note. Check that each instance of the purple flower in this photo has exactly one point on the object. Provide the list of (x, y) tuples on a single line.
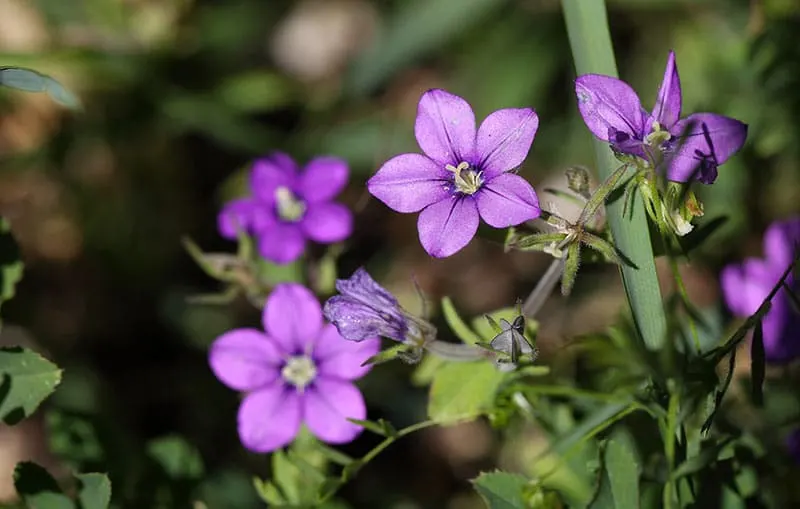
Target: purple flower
[(692, 146), (299, 371), (365, 309), (288, 206), (746, 285), (462, 173)]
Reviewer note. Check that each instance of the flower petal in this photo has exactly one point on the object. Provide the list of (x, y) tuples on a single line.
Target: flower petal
[(504, 139), (609, 107), (357, 321), (269, 418), (293, 317), (410, 182), (236, 215), (244, 359), (445, 127), (447, 226), (746, 285), (703, 142), (327, 404), (507, 200), (327, 222), (780, 327), (362, 287), (337, 357), (322, 179), (271, 172), (281, 242), (780, 241), (667, 109)]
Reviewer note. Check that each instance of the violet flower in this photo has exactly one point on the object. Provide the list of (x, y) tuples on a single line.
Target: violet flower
[(692, 147), (462, 173), (288, 206), (746, 285), (299, 371), (365, 309)]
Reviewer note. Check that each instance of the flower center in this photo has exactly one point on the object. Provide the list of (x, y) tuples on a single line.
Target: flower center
[(466, 179), (289, 207), (299, 371), (658, 136)]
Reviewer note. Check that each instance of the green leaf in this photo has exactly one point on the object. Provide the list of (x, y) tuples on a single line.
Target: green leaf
[(10, 264), (501, 490), (268, 492), (757, 364), (602, 246), (463, 390), (456, 324), (95, 491), (256, 91), (178, 458), (537, 241), (600, 195), (708, 454), (622, 470), (29, 80), (571, 264), (27, 379), (38, 488), (380, 427)]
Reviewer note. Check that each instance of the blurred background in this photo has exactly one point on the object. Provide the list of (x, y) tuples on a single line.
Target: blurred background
[(180, 95)]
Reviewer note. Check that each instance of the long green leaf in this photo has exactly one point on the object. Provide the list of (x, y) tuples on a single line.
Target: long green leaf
[(587, 27)]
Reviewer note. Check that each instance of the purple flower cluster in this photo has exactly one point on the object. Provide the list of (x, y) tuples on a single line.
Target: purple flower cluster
[(746, 285), (692, 147), (288, 206), (299, 370)]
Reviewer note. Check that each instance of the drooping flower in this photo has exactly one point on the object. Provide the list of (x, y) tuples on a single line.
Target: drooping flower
[(299, 370), (462, 174), (692, 147), (288, 206), (365, 309), (746, 285)]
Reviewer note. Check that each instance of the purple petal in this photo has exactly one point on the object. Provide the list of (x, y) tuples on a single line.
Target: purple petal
[(293, 317), (339, 358), (269, 418), (328, 404), (507, 200), (779, 326), (362, 287), (322, 179), (236, 215), (357, 321), (327, 222), (271, 172), (281, 242), (410, 182), (609, 107), (667, 110), (704, 141), (445, 127), (244, 359), (746, 285), (780, 241), (504, 139), (447, 226)]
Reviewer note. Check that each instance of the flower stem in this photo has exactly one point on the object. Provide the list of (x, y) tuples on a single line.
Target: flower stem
[(543, 289), (587, 27)]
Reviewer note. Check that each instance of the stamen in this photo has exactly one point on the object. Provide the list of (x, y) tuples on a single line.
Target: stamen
[(289, 207), (466, 179), (299, 371)]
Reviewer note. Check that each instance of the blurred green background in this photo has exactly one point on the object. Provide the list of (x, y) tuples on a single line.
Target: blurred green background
[(180, 95)]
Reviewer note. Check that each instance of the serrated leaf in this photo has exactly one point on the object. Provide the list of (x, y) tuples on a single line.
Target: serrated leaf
[(622, 470), (501, 490), (456, 324), (95, 491), (463, 390), (26, 379), (178, 458)]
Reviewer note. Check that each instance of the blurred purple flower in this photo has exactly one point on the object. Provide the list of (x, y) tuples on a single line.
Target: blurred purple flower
[(299, 371), (288, 206), (693, 146), (746, 285), (365, 309), (462, 173)]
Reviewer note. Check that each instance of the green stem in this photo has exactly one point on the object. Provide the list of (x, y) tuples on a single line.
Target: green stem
[(587, 27)]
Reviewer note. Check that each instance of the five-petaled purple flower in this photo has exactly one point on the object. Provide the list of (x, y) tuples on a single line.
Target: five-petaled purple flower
[(288, 206), (692, 147), (746, 285), (462, 174), (299, 371), (365, 309)]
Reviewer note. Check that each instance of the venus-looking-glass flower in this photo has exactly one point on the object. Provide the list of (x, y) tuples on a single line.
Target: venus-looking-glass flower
[(288, 206), (746, 285), (462, 174), (298, 371), (692, 147)]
